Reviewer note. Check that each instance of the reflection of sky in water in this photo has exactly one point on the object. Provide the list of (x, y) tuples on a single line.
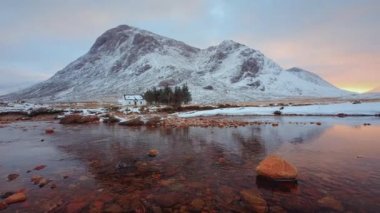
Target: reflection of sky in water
[(324, 155)]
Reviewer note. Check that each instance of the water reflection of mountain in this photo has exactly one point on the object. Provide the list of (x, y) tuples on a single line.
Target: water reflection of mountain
[(190, 160), (256, 139), (112, 145)]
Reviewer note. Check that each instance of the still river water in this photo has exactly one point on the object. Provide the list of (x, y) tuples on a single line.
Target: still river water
[(106, 167)]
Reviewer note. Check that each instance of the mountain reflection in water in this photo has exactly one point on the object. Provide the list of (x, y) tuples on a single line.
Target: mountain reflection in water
[(109, 164)]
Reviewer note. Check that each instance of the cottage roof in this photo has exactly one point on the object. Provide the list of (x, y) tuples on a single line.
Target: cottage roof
[(133, 97)]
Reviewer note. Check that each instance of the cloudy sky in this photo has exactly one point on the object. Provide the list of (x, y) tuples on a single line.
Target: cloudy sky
[(337, 39)]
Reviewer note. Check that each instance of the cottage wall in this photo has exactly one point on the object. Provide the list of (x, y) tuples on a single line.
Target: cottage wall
[(132, 100)]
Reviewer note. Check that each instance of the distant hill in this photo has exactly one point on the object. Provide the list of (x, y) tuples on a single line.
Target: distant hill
[(376, 90)]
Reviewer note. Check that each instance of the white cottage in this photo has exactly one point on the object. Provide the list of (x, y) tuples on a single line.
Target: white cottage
[(133, 100)]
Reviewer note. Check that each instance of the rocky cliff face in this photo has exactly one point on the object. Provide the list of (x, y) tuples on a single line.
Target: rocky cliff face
[(130, 60)]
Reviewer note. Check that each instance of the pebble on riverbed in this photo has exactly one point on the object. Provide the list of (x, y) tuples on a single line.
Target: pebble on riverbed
[(39, 167), (40, 181), (3, 205), (36, 179), (153, 153), (13, 176), (254, 200), (330, 203), (49, 131), (197, 204)]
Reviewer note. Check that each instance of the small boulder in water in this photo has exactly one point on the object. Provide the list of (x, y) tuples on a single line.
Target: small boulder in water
[(197, 204), (110, 119), (49, 131), (15, 198), (36, 179), (39, 167), (276, 168), (254, 200), (12, 176), (154, 121), (330, 203), (153, 152), (3, 205), (5, 195), (43, 182)]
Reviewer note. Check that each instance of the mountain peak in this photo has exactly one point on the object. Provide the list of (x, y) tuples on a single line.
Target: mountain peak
[(295, 69), (229, 43), (123, 27), (112, 39)]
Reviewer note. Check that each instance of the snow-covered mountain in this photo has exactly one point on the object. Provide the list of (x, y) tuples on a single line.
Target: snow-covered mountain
[(130, 60)]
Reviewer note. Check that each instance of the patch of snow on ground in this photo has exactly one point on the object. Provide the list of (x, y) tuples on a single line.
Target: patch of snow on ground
[(22, 107), (368, 109)]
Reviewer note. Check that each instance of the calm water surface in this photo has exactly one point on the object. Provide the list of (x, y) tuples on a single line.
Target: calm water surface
[(106, 168)]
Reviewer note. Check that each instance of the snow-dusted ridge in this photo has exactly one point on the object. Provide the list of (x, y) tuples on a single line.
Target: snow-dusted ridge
[(129, 60)]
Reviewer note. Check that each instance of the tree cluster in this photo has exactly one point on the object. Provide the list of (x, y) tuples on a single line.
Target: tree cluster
[(168, 96)]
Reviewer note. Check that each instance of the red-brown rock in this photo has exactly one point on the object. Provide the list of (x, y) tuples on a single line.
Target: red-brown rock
[(330, 203), (254, 200), (36, 179), (154, 121), (3, 205), (153, 152), (96, 206), (39, 167), (12, 176), (276, 168), (168, 199), (15, 198), (76, 206), (197, 204), (49, 131)]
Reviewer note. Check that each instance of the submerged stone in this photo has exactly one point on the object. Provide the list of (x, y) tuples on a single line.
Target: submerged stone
[(197, 204), (39, 167), (330, 203), (3, 205), (254, 200), (12, 176), (153, 152), (15, 198), (276, 168), (49, 131)]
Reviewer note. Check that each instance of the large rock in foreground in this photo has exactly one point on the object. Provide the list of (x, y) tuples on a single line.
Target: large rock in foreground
[(276, 168)]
